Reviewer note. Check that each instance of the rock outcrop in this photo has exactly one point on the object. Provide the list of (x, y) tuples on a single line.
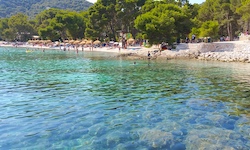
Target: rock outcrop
[(232, 51)]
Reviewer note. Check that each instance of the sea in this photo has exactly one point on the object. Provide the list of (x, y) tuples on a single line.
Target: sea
[(57, 99)]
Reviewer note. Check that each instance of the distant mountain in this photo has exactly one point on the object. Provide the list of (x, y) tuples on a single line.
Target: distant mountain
[(34, 7)]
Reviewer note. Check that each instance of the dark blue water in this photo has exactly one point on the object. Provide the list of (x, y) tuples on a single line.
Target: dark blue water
[(90, 100)]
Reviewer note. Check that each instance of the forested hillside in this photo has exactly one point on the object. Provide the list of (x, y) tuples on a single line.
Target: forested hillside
[(34, 7)]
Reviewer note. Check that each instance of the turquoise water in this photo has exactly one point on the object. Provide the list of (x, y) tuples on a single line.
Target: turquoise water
[(63, 100)]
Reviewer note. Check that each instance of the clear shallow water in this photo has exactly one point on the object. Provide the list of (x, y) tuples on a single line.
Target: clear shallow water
[(64, 100)]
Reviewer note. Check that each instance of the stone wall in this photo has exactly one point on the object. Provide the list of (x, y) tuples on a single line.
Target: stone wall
[(237, 46), (227, 52), (224, 46), (231, 51)]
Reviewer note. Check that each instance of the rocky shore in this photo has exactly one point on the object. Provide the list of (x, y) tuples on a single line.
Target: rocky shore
[(234, 51)]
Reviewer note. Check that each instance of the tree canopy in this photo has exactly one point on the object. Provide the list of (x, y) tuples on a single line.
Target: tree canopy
[(34, 7), (165, 22), (155, 20)]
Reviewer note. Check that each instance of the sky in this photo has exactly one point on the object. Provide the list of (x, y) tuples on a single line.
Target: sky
[(191, 1)]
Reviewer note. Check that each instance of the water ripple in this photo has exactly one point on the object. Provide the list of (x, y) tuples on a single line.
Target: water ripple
[(61, 100)]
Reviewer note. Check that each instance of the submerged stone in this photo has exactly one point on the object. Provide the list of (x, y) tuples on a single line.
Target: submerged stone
[(155, 138)]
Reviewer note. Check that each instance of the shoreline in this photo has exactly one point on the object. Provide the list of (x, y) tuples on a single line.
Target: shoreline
[(131, 49), (231, 51)]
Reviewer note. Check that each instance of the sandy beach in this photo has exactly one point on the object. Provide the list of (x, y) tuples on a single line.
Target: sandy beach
[(231, 51), (130, 49)]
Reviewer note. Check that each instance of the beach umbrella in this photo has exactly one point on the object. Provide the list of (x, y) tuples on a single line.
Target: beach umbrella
[(36, 41), (71, 41), (82, 43), (97, 42), (76, 42), (41, 41), (84, 40), (131, 40), (30, 41), (57, 43), (48, 41), (89, 42)]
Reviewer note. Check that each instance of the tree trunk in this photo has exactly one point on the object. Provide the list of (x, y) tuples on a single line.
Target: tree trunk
[(113, 32), (228, 28), (231, 31), (248, 23)]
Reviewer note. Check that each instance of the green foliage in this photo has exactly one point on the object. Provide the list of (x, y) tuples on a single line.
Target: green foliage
[(105, 19), (62, 23), (155, 20), (165, 23), (3, 26), (209, 29), (195, 31), (8, 34), (49, 33), (222, 11), (96, 21), (16, 27), (34, 7), (75, 25), (244, 10)]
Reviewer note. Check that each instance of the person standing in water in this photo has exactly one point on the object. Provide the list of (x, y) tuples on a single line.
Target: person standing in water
[(149, 55)]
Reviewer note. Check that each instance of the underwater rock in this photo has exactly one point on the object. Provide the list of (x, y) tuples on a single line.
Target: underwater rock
[(178, 146), (214, 117), (227, 123), (96, 129), (121, 147), (168, 126), (215, 138), (155, 138), (147, 115), (204, 105), (243, 126), (116, 137)]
